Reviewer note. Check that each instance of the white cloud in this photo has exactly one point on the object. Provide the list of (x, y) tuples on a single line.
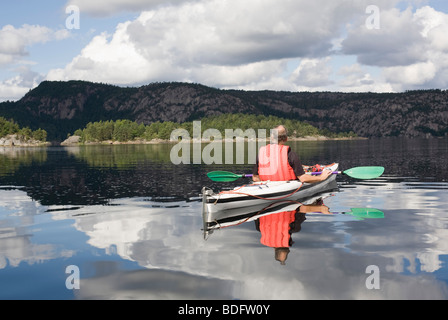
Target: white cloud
[(219, 43), (431, 71), (14, 41), (415, 74), (251, 44), (411, 48), (10, 90), (17, 86), (111, 59), (355, 76), (397, 42), (313, 73)]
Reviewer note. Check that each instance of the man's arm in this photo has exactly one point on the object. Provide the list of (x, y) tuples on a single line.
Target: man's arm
[(296, 164), (305, 178), (314, 208), (313, 179)]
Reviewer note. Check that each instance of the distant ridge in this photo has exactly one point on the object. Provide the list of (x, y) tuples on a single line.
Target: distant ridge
[(62, 107)]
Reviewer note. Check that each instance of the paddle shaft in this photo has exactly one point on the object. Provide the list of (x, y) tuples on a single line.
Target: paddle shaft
[(312, 173), (319, 173)]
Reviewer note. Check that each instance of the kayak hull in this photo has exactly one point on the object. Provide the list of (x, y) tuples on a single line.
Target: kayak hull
[(263, 193)]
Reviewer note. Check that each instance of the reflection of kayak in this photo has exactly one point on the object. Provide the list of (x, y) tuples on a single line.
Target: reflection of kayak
[(228, 218), (262, 193)]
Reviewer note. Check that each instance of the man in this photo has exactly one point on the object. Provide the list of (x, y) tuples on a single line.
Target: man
[(277, 162)]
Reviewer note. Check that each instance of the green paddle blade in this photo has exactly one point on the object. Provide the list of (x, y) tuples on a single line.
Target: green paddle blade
[(223, 176), (366, 213), (365, 172)]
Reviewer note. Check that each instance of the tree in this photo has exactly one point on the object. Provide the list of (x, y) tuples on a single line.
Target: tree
[(40, 135)]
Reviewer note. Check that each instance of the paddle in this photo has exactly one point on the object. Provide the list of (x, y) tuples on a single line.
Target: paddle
[(224, 176), (363, 173), (362, 213), (365, 213)]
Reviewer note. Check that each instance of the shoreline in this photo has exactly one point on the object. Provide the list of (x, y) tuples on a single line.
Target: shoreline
[(15, 141), (74, 141)]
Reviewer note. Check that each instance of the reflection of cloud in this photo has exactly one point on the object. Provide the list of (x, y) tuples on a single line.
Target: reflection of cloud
[(328, 259), (154, 285), (417, 209), (19, 249), (17, 217)]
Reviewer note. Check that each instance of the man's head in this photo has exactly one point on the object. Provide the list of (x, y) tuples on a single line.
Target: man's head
[(281, 133), (281, 254)]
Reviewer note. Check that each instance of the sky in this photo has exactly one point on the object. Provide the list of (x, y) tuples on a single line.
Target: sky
[(290, 45)]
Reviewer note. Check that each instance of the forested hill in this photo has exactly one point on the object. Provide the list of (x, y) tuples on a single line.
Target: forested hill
[(62, 107)]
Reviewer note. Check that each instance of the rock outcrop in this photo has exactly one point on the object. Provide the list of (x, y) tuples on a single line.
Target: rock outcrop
[(14, 140)]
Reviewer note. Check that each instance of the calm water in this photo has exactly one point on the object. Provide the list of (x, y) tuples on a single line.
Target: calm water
[(131, 223)]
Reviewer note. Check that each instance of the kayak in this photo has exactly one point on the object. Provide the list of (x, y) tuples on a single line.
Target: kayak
[(263, 193)]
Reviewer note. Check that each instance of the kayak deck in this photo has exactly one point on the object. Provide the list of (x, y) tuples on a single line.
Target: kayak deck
[(264, 192)]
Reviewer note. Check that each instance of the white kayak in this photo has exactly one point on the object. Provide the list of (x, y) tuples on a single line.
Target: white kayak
[(262, 193)]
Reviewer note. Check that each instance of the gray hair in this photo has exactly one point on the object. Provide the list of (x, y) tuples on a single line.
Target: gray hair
[(281, 132)]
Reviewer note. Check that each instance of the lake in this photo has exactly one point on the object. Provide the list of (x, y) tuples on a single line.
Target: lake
[(123, 222)]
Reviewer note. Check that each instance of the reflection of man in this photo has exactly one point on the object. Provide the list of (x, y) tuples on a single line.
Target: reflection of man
[(277, 162), (276, 229)]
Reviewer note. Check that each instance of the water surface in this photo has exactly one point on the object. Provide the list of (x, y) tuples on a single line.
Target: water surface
[(131, 222)]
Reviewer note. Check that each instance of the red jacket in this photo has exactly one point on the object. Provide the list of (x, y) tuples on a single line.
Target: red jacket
[(275, 229), (273, 163)]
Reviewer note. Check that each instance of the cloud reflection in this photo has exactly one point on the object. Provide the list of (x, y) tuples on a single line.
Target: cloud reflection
[(327, 260), (17, 227)]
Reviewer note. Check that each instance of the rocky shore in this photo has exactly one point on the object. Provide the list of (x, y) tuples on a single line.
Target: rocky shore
[(14, 140), (76, 140)]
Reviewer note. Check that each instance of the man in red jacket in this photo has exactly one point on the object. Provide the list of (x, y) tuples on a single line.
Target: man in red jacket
[(277, 162)]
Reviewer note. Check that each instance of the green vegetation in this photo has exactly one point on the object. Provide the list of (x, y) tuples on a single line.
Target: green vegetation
[(126, 130), (120, 130), (9, 127)]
